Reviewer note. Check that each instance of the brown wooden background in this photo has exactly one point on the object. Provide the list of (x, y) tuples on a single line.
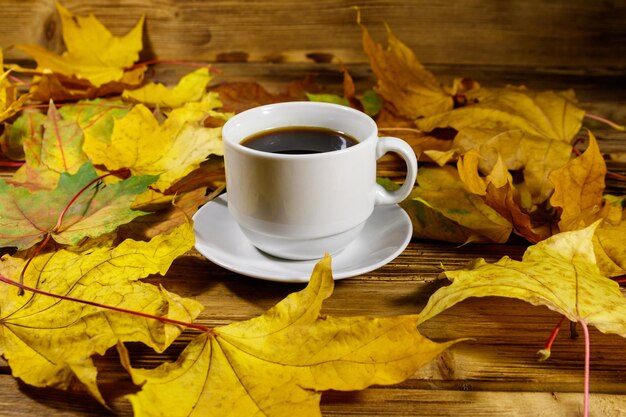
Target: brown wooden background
[(532, 33), (557, 44)]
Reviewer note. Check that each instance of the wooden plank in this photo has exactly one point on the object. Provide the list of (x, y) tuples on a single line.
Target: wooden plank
[(18, 400), (560, 33), (399, 402)]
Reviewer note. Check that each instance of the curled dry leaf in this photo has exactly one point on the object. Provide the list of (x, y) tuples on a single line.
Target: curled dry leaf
[(279, 363), (578, 188), (500, 194), (534, 156), (442, 208), (10, 102), (50, 342)]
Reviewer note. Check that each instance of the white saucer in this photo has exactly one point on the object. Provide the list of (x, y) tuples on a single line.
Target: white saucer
[(218, 237)]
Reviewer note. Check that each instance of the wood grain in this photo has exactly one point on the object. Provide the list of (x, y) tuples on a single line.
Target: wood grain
[(532, 33)]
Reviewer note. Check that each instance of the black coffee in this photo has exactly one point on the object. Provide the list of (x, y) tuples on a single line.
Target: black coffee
[(299, 140)]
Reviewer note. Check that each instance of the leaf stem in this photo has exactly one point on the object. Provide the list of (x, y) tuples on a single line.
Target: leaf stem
[(587, 361), (24, 287), (620, 280), (616, 176), (18, 81), (57, 226), (30, 259), (606, 121), (11, 164), (545, 352)]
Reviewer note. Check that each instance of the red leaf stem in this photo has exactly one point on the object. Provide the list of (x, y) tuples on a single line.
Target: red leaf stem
[(104, 306), (18, 81), (57, 226), (620, 280), (545, 352), (11, 164), (616, 176), (41, 245)]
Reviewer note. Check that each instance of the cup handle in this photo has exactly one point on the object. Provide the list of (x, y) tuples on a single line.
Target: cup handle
[(391, 144)]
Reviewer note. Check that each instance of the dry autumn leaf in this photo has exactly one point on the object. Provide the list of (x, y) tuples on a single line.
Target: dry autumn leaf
[(559, 272), (278, 364), (578, 188), (579, 197), (534, 156), (442, 208), (50, 342), (239, 96), (549, 115), (404, 82), (190, 88), (28, 217), (178, 210), (93, 53), (500, 194), (170, 150)]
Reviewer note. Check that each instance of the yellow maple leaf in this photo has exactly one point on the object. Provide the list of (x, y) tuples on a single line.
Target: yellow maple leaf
[(277, 364), (50, 342), (93, 53), (442, 208), (559, 273), (550, 115), (171, 150), (578, 188), (191, 87), (579, 197), (402, 79)]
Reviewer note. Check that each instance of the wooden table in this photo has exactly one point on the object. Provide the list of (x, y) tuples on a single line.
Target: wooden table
[(497, 374)]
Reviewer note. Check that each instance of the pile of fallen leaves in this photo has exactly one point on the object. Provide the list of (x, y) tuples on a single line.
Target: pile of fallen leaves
[(111, 167)]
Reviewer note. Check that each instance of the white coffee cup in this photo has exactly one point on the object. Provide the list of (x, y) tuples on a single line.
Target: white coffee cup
[(302, 206)]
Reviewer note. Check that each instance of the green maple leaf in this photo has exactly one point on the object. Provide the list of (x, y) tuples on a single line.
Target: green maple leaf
[(28, 217)]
